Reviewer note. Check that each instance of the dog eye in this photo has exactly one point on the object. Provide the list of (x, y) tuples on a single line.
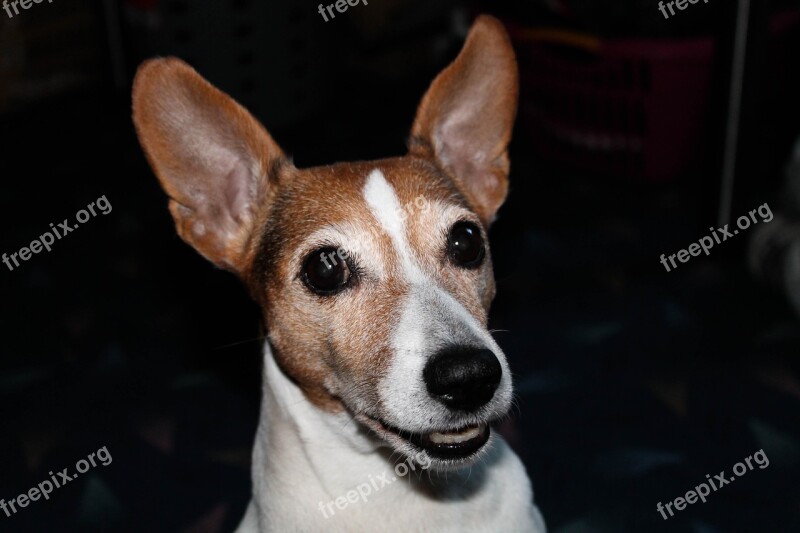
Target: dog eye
[(465, 245), (325, 271)]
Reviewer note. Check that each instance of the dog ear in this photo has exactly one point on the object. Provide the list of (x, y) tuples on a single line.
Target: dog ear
[(211, 156), (465, 119)]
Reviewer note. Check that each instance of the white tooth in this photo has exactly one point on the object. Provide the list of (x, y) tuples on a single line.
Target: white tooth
[(453, 438)]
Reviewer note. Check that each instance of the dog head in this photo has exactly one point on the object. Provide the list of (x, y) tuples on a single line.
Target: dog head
[(374, 277)]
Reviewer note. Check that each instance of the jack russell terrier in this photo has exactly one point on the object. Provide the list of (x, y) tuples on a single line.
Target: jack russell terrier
[(380, 355)]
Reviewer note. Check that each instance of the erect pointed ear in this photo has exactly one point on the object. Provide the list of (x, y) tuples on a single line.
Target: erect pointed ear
[(211, 156), (465, 119)]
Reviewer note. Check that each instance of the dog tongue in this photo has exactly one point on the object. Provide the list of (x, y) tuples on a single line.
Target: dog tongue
[(456, 436)]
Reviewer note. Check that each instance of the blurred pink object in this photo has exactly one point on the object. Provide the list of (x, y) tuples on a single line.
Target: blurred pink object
[(632, 108)]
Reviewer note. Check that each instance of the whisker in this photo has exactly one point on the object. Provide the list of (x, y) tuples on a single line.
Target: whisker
[(260, 338)]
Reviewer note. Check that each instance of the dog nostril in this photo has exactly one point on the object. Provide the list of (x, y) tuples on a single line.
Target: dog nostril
[(463, 378)]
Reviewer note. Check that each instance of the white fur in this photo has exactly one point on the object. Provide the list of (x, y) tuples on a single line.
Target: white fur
[(360, 243), (386, 208), (304, 456), (431, 319)]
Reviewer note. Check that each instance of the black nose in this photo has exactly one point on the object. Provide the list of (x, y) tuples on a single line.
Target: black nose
[(463, 378)]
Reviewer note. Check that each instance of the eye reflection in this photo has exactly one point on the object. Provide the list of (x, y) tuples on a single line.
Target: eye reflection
[(465, 245), (325, 271)]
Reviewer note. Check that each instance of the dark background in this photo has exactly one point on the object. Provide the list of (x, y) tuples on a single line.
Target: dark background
[(633, 383)]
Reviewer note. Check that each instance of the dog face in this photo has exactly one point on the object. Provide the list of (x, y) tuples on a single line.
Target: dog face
[(374, 277)]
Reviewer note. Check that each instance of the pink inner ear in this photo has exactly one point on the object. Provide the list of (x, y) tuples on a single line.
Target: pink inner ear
[(208, 153), (476, 112), (470, 142), (221, 203), (238, 193), (468, 113)]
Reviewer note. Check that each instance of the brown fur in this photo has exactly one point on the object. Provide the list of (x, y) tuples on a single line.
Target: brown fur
[(349, 332), (465, 119), (238, 201)]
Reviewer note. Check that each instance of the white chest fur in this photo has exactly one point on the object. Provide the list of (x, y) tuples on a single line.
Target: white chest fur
[(314, 471)]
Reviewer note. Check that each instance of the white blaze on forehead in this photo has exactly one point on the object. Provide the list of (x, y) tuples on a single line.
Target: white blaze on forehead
[(385, 207)]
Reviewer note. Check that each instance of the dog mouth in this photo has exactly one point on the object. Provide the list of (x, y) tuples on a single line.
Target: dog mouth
[(455, 444)]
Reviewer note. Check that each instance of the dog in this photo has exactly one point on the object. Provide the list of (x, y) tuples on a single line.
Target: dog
[(377, 344)]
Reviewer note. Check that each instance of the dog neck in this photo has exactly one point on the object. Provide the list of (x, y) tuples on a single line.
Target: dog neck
[(304, 459), (317, 454), (288, 415)]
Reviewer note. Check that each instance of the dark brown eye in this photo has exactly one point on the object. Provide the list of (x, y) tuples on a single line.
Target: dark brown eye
[(325, 271), (465, 245)]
